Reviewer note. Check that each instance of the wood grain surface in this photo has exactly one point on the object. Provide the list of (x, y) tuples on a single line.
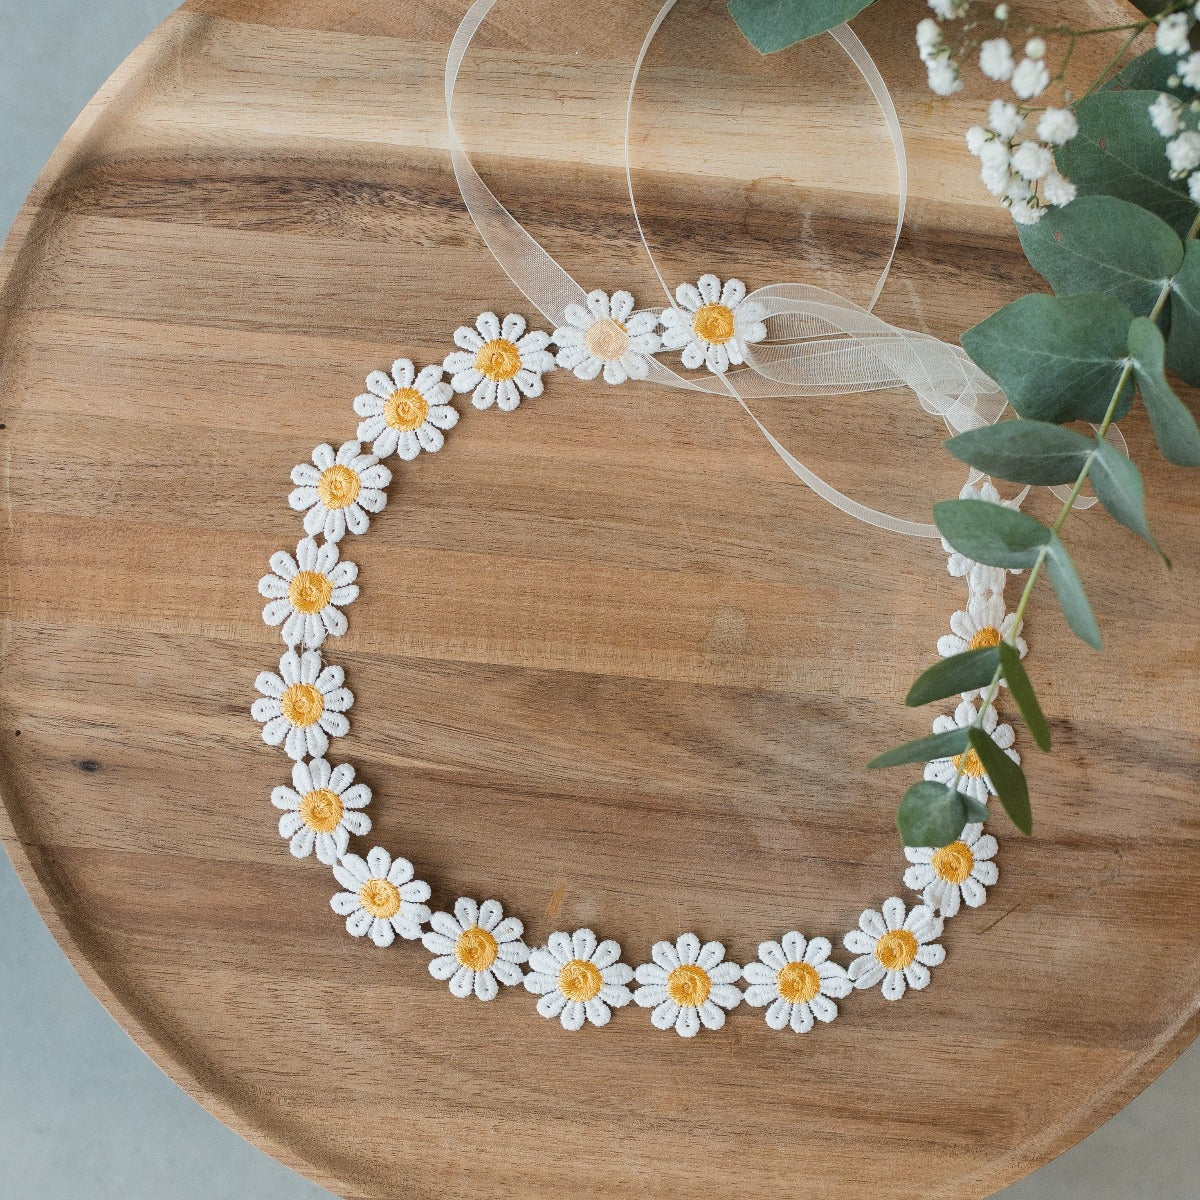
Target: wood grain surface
[(613, 664)]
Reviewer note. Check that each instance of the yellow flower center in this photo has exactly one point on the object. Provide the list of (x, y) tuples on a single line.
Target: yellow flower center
[(580, 980), (896, 950), (689, 985), (338, 486), (321, 810), (405, 409), (607, 340), (380, 897), (798, 982), (309, 591), (970, 764), (302, 704), (476, 949), (714, 323), (954, 863), (985, 639), (498, 359)]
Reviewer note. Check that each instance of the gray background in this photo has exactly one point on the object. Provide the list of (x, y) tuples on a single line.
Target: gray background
[(86, 1114)]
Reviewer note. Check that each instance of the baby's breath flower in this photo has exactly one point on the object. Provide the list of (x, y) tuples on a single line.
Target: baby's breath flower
[(1166, 114), (996, 59), (1057, 125), (948, 10), (929, 37), (1172, 35), (977, 136), (1025, 213), (1001, 13), (1035, 48), (1032, 161), (1004, 120), (1189, 70), (943, 77), (1030, 78), (1183, 153), (1058, 191), (1194, 187)]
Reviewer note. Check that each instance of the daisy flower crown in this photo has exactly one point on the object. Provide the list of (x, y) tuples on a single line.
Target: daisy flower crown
[(720, 333)]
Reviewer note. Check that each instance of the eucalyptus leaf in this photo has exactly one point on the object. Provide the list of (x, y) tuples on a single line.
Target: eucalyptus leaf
[(1072, 599), (923, 750), (1024, 451), (931, 814), (950, 676), (1103, 244), (1174, 426), (1118, 486), (1183, 345), (1148, 71), (771, 25), (1020, 687), (1007, 778), (1057, 358), (1117, 152), (990, 533)]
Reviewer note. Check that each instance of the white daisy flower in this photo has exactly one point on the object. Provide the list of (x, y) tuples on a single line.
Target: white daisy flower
[(981, 625), (476, 948), (338, 491), (795, 981), (961, 871), (712, 323), (981, 579), (688, 985), (303, 706), (307, 593), (974, 781), (607, 336), (579, 979), (382, 897), (498, 362), (895, 947), (322, 808), (404, 413)]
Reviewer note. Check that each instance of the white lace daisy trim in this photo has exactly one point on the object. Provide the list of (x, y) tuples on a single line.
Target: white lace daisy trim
[(579, 979)]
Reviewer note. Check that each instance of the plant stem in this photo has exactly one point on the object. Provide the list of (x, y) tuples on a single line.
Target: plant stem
[(1068, 505)]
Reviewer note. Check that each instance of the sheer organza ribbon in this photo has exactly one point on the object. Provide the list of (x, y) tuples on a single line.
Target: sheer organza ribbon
[(818, 343)]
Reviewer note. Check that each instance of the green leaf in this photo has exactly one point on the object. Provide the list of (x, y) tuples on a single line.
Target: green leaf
[(771, 25), (990, 533), (1021, 689), (1183, 346), (931, 814), (1117, 152), (1118, 486), (1072, 599), (1057, 358), (1007, 778), (958, 673), (1148, 71), (1102, 244), (923, 750), (1174, 426), (1024, 451)]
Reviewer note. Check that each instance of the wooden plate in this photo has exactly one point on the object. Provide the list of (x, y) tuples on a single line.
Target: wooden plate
[(613, 664)]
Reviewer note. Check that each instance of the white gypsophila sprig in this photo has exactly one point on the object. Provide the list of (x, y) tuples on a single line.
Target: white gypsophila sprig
[(1177, 117), (1019, 170)]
